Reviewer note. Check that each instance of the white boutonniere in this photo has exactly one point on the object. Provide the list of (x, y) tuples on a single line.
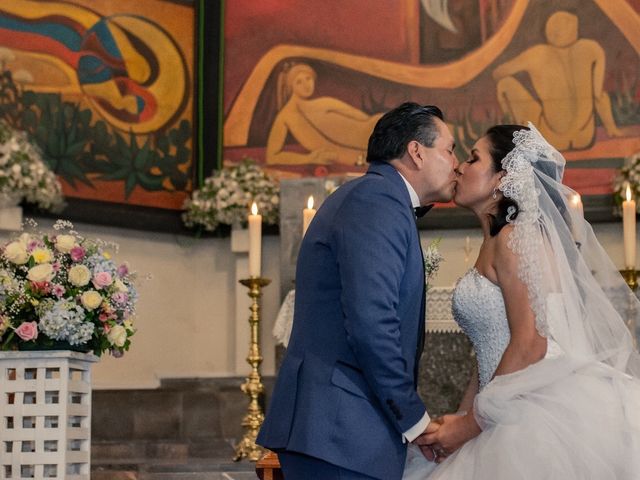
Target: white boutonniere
[(432, 259)]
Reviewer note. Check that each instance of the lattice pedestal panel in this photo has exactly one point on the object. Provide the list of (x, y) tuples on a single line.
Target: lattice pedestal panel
[(45, 414)]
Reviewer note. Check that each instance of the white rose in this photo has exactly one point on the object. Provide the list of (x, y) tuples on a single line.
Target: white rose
[(64, 243), (16, 252), (117, 336), (79, 275), (41, 273), (120, 286), (91, 299)]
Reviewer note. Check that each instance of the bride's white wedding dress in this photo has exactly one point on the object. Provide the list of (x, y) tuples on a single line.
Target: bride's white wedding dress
[(577, 419)]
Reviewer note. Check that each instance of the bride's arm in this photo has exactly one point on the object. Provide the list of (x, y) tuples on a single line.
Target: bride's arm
[(470, 393), (455, 429), (526, 346)]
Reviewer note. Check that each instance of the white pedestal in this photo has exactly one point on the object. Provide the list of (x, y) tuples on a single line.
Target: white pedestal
[(10, 218), (242, 334), (45, 414)]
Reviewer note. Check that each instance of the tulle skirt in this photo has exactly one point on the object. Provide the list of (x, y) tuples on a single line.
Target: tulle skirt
[(560, 419)]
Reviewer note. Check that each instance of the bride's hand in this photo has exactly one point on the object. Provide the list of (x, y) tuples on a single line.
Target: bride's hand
[(428, 452), (454, 431)]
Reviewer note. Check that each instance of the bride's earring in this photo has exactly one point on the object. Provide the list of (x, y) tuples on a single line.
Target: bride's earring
[(495, 194)]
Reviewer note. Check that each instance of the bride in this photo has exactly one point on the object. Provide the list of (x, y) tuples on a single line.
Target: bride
[(557, 395)]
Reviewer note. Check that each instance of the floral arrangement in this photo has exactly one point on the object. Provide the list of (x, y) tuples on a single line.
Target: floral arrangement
[(432, 259), (23, 173), (629, 175), (61, 290), (226, 196)]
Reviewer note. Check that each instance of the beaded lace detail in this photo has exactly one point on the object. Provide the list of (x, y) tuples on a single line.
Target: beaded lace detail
[(478, 307), (526, 239)]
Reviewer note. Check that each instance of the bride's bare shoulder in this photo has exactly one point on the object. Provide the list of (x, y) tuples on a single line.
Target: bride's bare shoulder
[(504, 258)]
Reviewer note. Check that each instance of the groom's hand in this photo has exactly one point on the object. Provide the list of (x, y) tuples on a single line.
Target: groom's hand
[(427, 451), (453, 432)]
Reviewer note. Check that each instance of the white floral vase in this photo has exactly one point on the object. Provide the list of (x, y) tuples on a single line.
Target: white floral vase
[(45, 400)]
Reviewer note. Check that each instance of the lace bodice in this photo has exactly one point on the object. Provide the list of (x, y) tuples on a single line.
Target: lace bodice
[(479, 309)]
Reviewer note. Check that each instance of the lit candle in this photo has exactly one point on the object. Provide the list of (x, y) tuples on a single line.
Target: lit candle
[(255, 241), (307, 215), (578, 213), (629, 230)]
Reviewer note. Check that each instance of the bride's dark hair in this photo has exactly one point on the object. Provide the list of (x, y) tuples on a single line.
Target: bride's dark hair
[(501, 139)]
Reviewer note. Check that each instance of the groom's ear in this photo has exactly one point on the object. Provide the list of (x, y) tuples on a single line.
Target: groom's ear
[(415, 153)]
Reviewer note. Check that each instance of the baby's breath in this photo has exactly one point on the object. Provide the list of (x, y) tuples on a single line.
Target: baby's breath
[(226, 196), (23, 173)]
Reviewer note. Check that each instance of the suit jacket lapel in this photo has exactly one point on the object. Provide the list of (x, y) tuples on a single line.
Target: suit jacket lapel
[(390, 173)]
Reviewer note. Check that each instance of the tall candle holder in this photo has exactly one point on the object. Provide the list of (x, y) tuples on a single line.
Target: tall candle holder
[(253, 386), (630, 276)]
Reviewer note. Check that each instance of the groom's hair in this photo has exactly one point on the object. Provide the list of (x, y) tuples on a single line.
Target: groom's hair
[(398, 127)]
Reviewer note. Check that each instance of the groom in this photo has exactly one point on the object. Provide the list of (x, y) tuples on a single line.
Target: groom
[(345, 402)]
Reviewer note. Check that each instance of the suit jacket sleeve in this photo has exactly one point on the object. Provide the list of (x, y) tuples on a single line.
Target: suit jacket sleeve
[(373, 232)]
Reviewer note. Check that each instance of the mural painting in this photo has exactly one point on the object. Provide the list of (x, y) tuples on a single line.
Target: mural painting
[(302, 100), (105, 89)]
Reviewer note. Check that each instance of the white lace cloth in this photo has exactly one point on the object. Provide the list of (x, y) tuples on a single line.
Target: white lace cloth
[(438, 314)]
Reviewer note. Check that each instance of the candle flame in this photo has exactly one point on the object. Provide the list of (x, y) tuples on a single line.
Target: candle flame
[(310, 202), (628, 193), (576, 199), (254, 209)]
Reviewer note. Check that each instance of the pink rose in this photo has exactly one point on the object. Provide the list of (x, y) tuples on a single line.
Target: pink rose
[(27, 331), (77, 254), (103, 317), (102, 279), (42, 287)]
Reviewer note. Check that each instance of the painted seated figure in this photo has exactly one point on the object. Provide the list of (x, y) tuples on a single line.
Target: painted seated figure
[(567, 75)]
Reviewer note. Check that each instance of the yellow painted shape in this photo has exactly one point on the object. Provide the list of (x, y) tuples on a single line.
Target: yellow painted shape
[(624, 17), (169, 87), (137, 67), (33, 9), (451, 75)]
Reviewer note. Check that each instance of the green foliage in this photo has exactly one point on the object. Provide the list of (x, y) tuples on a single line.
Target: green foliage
[(81, 148), (624, 106)]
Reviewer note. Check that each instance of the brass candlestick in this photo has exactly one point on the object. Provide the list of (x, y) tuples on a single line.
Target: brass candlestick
[(253, 386), (630, 276)]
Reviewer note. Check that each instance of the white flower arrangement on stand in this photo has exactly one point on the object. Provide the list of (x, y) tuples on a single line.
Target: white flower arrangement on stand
[(629, 175), (24, 175), (225, 197)]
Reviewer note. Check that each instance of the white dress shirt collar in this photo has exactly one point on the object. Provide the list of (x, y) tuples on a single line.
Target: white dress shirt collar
[(415, 200)]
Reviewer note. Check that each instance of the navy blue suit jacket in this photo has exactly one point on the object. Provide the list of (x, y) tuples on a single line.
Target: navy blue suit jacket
[(346, 389)]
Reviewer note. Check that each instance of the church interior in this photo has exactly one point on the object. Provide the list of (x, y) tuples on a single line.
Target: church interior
[(155, 125)]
